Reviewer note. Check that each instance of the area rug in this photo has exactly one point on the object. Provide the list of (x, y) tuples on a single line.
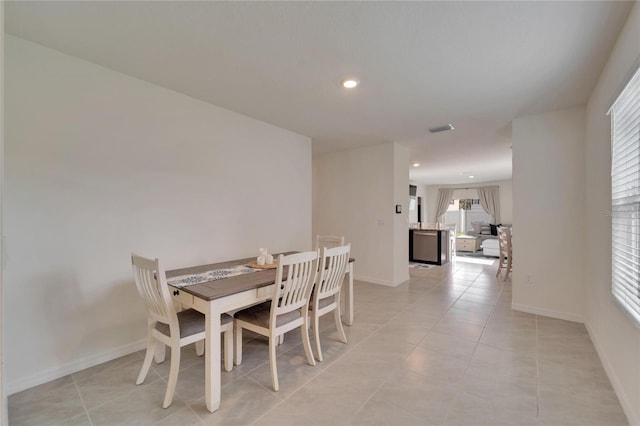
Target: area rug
[(478, 253), (420, 265)]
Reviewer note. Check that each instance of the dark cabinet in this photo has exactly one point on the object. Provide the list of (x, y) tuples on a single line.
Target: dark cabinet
[(429, 246)]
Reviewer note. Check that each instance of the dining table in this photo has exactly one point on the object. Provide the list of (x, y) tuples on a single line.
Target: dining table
[(217, 288)]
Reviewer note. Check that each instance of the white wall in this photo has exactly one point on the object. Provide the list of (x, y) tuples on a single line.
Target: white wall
[(4, 415), (613, 332), (548, 217), (421, 192), (400, 221), (98, 165), (506, 198), (355, 192)]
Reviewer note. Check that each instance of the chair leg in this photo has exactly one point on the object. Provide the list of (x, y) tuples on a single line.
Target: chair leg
[(151, 346), (160, 353), (228, 349), (316, 335), (273, 342), (200, 347), (307, 343), (338, 318), (507, 269), (237, 337), (173, 374)]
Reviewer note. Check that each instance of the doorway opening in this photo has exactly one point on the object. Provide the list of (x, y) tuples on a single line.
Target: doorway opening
[(464, 212)]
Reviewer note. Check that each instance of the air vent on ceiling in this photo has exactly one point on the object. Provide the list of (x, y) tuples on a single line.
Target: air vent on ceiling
[(441, 128)]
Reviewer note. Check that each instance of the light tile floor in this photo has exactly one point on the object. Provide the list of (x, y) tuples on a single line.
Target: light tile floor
[(443, 349)]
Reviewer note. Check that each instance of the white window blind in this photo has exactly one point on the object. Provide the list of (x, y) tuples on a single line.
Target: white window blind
[(625, 197)]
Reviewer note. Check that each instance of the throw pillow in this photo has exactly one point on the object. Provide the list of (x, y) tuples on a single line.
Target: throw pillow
[(494, 228)]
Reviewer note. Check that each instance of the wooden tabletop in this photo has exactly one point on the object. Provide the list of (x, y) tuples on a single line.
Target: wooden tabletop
[(226, 286)]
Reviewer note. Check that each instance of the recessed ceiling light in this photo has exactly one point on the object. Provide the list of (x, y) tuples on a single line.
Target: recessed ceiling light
[(350, 84), (441, 128), (471, 176), (416, 164)]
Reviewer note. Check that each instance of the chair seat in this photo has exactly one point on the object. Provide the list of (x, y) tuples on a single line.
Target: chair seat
[(259, 315), (191, 322)]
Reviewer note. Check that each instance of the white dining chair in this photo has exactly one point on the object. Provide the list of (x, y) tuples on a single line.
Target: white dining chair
[(167, 327), (452, 243), (506, 252), (326, 293), (328, 241), (331, 241), (287, 310)]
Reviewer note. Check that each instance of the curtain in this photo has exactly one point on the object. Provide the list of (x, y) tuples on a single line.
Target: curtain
[(444, 199), (490, 201)]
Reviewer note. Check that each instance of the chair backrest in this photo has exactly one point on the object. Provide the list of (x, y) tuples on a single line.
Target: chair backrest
[(504, 240), (152, 286), (295, 276), (332, 269), (328, 241)]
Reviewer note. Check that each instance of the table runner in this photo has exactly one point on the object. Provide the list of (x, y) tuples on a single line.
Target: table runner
[(216, 274)]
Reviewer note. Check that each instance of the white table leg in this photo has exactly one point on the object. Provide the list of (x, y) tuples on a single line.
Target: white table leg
[(212, 359), (348, 297)]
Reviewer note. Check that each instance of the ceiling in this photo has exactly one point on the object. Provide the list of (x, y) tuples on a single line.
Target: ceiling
[(475, 64)]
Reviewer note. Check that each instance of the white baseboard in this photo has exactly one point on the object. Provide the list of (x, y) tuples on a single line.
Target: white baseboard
[(73, 367), (375, 281), (627, 407), (547, 313)]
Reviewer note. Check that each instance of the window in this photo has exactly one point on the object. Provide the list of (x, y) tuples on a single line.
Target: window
[(625, 197), (464, 212)]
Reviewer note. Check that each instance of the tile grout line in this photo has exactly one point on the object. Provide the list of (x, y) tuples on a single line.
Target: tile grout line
[(324, 370), (455, 399), (416, 345), (475, 348), (367, 401), (537, 373), (190, 409), (82, 400), (379, 327)]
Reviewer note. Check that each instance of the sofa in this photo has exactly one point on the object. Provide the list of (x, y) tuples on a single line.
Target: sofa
[(491, 247), (488, 234), (481, 230)]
